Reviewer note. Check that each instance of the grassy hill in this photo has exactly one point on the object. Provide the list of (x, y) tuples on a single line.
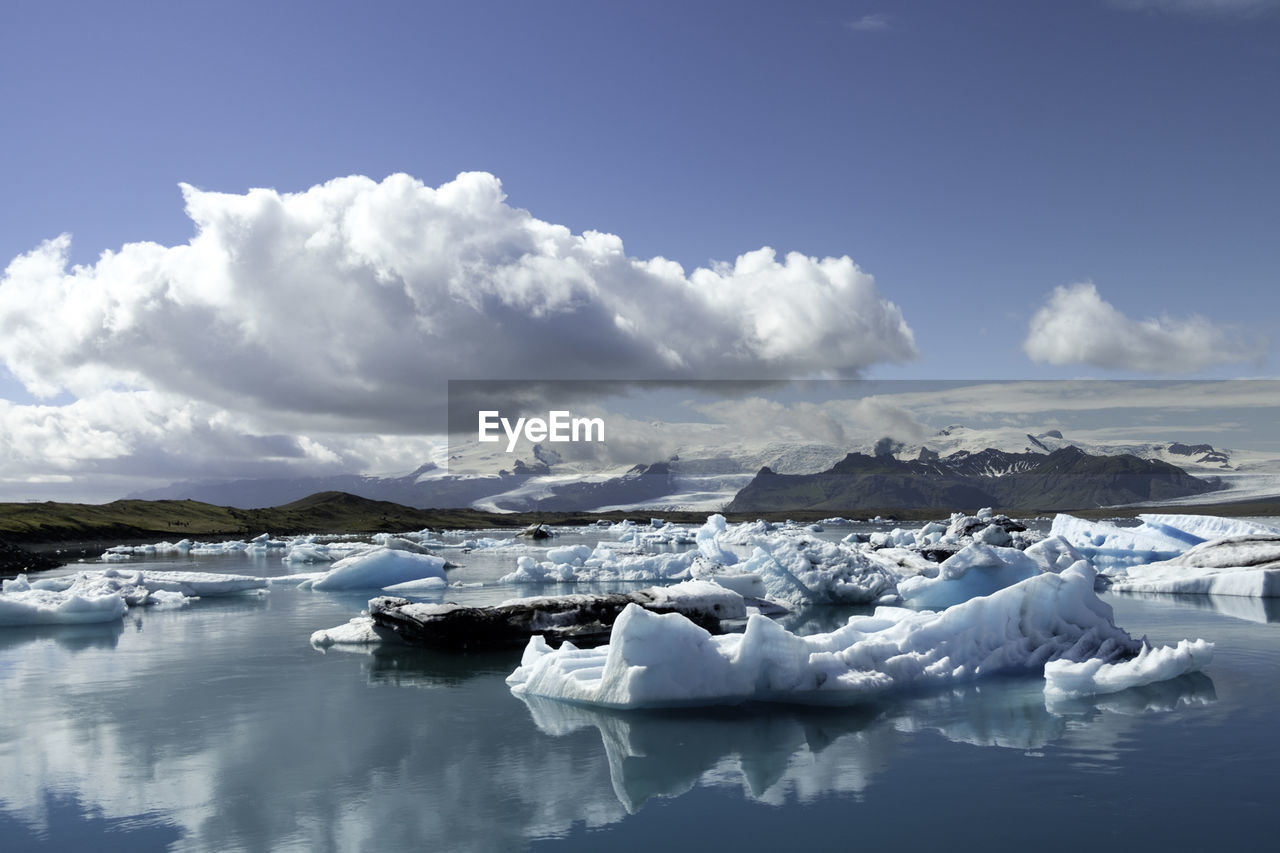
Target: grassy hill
[(339, 512)]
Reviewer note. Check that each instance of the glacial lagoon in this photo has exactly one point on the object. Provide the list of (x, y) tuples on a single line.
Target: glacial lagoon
[(218, 726)]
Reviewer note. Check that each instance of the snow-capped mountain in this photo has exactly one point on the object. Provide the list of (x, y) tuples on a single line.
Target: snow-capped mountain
[(708, 471)]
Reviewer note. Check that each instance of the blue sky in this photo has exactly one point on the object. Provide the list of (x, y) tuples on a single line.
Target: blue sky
[(971, 157)]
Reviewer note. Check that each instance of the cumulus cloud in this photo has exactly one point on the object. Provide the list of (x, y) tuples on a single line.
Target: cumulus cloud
[(357, 299), (1077, 326), (315, 331)]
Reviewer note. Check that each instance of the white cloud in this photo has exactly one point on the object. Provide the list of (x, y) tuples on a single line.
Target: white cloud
[(356, 300), (314, 332), (1077, 326), (115, 442), (877, 22)]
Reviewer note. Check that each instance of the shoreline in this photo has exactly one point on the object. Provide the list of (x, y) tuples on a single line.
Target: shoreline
[(43, 536)]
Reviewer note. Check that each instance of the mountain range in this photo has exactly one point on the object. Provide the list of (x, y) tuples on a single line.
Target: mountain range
[(958, 466), (1067, 478)]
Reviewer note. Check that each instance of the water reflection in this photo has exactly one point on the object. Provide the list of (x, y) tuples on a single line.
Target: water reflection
[(217, 727), (1261, 610), (102, 635), (777, 755)]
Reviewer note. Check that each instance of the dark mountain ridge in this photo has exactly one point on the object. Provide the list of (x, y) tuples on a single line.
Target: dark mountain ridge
[(1068, 478)]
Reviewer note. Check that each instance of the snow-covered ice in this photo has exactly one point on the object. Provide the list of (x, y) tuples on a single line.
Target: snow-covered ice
[(976, 569), (360, 631), (1091, 677), (377, 569), (105, 595), (20, 604), (665, 660), (1239, 566)]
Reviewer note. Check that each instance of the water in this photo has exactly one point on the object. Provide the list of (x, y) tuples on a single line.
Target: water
[(218, 727)]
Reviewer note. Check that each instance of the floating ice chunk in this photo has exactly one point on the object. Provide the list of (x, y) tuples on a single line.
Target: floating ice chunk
[(993, 534), (708, 539), (360, 631), (1194, 529), (1111, 548), (1236, 552), (699, 596), (1054, 554), (418, 587), (574, 555), (529, 570), (974, 570), (377, 569), (748, 584), (664, 660), (604, 564), (115, 557), (307, 552), (1065, 679), (162, 599), (137, 587), (1240, 566), (1178, 577), (397, 543), (819, 572), (20, 604)]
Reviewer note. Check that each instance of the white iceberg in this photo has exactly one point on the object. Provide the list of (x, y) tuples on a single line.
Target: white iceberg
[(1068, 679), (1242, 566), (976, 569), (1194, 529), (602, 564), (664, 660), (20, 604), (104, 596), (819, 572), (359, 631), (377, 569), (1110, 546)]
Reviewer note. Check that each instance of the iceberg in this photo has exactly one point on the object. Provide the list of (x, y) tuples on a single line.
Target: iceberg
[(20, 604), (819, 572), (655, 660), (600, 564), (1194, 529), (105, 596), (377, 569), (976, 569), (1241, 566), (359, 631), (1067, 679), (1110, 546)]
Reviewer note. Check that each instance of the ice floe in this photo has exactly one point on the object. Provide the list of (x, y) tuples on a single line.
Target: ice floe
[(664, 660), (377, 569), (1241, 566), (104, 596), (1092, 677)]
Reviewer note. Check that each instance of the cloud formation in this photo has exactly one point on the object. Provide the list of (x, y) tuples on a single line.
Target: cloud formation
[(313, 332), (1077, 326), (357, 299)]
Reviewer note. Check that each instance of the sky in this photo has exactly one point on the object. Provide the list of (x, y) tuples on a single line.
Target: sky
[(258, 239)]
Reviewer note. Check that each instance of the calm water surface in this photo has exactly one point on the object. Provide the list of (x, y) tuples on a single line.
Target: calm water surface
[(218, 727)]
